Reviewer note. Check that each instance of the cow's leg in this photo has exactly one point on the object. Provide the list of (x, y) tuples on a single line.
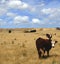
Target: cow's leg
[(39, 53), (47, 53), (42, 52)]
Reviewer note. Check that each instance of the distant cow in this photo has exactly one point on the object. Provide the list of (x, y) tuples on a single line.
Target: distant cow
[(43, 45)]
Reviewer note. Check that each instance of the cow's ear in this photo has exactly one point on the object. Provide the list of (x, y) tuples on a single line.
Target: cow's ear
[(56, 41), (49, 36)]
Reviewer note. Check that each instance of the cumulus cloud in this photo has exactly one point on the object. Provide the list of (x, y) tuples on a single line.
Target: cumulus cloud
[(56, 14), (18, 4), (3, 10), (47, 10), (35, 21), (53, 15), (11, 15), (14, 4), (50, 10), (2, 22), (7, 5), (34, 12), (21, 19)]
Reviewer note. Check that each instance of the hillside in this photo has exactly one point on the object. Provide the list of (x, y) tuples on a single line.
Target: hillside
[(19, 47)]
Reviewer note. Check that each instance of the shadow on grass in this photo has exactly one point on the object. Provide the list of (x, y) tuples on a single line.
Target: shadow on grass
[(51, 56), (55, 55)]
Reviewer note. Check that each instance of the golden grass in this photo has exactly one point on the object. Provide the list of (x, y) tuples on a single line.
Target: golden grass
[(18, 47)]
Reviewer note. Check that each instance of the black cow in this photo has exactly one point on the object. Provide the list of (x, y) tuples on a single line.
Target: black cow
[(43, 45)]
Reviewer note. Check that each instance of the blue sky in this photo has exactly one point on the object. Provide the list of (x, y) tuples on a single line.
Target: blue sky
[(29, 13)]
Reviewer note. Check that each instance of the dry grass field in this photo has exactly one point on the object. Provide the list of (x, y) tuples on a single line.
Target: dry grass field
[(19, 47)]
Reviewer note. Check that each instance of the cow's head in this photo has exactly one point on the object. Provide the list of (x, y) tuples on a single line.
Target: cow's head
[(49, 36), (53, 43), (50, 39)]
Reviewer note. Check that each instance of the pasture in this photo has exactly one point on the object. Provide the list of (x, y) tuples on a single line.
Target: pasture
[(19, 47)]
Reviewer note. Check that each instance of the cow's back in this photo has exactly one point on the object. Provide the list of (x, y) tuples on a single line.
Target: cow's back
[(43, 43), (39, 43)]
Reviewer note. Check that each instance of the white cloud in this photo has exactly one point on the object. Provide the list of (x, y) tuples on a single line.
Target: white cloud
[(47, 10), (2, 11), (53, 14), (24, 6), (18, 4), (35, 21), (40, 10), (14, 4), (21, 19), (50, 10), (2, 22), (6, 5), (10, 14)]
